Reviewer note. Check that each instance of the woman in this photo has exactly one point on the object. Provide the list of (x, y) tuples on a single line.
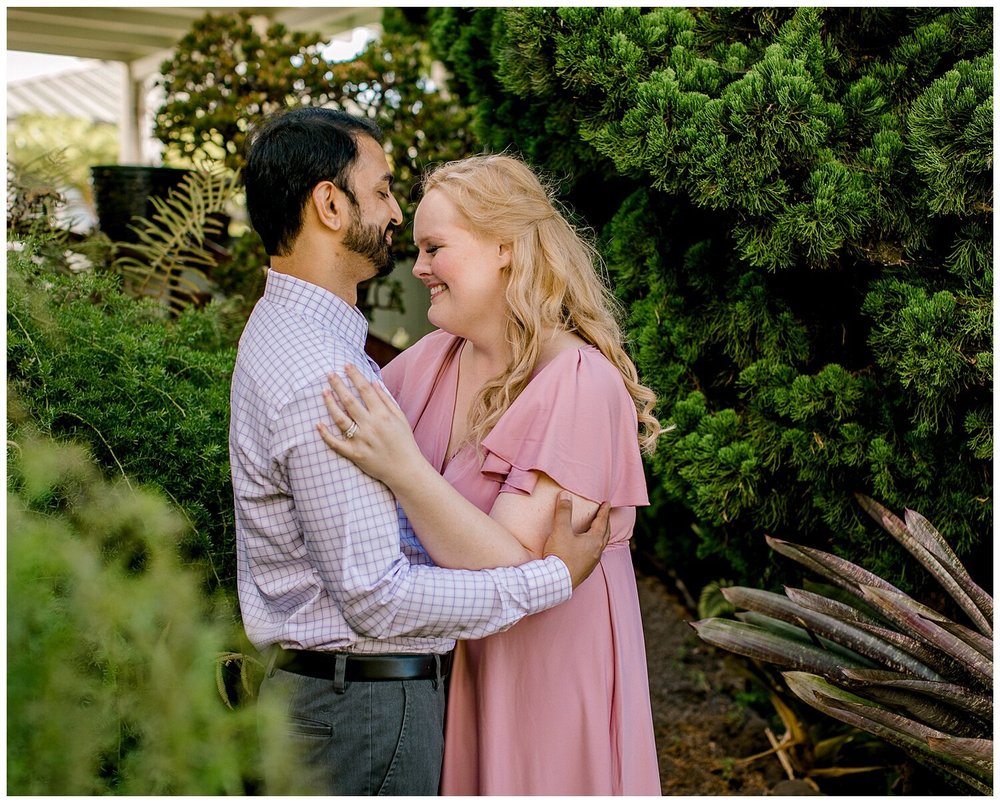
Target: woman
[(524, 392)]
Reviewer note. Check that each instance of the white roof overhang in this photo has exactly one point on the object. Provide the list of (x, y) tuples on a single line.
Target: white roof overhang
[(144, 37)]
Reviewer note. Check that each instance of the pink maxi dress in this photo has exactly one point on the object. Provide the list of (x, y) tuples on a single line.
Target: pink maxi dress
[(559, 703)]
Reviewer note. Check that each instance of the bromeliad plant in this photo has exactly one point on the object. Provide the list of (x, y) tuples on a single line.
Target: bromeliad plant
[(869, 655)]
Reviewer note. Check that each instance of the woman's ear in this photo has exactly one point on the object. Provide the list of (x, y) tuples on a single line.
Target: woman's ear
[(330, 203), (506, 254)]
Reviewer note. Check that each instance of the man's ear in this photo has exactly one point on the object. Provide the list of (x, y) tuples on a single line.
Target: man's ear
[(330, 204)]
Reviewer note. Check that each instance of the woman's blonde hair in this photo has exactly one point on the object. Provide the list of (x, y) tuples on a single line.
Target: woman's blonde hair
[(553, 281)]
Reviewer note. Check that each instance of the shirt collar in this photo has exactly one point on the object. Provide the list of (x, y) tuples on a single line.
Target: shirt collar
[(315, 302)]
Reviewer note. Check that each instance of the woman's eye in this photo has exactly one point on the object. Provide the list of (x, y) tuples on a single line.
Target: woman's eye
[(431, 249)]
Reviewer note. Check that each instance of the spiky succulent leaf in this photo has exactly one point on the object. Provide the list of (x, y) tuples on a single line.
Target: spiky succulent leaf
[(953, 693), (930, 711), (836, 630), (902, 731), (978, 752), (841, 572), (928, 535), (933, 698), (802, 636), (831, 607), (762, 645), (842, 595), (910, 617), (945, 665), (942, 564), (981, 643)]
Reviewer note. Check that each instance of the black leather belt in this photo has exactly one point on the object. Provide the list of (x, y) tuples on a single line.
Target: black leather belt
[(352, 667)]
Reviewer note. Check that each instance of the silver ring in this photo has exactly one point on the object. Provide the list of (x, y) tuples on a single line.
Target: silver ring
[(351, 430)]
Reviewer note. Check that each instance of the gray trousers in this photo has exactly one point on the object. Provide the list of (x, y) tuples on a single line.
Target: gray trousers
[(373, 738)]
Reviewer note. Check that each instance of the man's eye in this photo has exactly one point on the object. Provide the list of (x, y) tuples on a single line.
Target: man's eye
[(430, 249)]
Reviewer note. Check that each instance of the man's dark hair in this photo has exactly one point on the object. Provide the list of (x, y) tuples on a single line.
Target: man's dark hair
[(289, 153)]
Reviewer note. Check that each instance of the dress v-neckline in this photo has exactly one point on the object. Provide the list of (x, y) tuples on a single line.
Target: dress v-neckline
[(454, 375), (456, 366)]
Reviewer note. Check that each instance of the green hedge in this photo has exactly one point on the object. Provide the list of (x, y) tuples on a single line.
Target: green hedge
[(149, 396), (796, 209)]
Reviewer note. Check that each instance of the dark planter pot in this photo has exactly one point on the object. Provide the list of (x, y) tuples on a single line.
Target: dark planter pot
[(122, 192)]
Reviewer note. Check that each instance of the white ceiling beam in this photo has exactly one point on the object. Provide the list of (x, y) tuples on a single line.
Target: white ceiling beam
[(144, 37)]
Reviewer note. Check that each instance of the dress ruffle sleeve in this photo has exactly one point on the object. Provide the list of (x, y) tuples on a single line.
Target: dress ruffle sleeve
[(576, 422)]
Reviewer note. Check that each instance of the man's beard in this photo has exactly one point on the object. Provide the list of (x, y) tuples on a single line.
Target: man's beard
[(369, 242)]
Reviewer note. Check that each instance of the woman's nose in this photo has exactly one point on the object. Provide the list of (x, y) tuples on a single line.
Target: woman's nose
[(420, 265)]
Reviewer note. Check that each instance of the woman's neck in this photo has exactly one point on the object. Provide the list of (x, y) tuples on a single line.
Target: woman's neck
[(484, 360)]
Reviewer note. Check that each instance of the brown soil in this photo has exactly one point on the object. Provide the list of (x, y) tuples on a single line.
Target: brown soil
[(701, 731)]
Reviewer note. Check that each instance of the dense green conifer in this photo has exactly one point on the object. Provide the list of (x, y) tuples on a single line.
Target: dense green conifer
[(795, 206)]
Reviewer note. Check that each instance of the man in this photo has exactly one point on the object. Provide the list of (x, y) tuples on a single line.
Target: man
[(331, 578)]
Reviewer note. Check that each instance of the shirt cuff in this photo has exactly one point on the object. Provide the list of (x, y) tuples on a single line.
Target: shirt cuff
[(550, 582)]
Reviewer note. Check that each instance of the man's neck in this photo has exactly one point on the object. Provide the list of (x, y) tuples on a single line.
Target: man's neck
[(342, 283)]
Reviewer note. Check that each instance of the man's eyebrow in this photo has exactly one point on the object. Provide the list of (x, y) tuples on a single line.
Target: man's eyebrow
[(387, 178)]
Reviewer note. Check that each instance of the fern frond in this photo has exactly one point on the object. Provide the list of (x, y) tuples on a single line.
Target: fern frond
[(172, 255)]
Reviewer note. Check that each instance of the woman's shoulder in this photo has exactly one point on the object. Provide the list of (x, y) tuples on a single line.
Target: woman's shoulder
[(584, 365), (576, 422)]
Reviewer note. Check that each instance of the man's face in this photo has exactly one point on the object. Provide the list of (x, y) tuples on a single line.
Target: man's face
[(371, 242), (376, 213)]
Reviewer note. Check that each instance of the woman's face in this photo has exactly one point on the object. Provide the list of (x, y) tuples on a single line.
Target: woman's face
[(463, 270)]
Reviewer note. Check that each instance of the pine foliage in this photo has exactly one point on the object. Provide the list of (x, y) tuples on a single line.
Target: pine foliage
[(796, 209)]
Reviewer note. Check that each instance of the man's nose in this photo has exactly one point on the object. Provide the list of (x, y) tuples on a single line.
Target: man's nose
[(397, 212)]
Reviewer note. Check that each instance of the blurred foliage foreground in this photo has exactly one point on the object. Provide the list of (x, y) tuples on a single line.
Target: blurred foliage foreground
[(111, 642)]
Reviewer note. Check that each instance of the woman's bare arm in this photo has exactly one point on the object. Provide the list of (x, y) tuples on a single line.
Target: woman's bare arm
[(455, 532)]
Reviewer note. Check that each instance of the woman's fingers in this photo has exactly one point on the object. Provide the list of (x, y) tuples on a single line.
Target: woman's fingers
[(339, 445), (354, 408), (390, 403), (376, 414), (368, 393), (337, 414)]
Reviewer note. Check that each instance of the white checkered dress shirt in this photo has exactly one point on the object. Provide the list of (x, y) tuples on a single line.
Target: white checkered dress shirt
[(325, 558)]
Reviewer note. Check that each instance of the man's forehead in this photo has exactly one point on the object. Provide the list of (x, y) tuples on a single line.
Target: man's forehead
[(371, 156), (373, 174)]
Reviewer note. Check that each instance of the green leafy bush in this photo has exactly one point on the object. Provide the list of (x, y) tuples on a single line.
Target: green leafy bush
[(150, 396), (795, 206), (112, 643)]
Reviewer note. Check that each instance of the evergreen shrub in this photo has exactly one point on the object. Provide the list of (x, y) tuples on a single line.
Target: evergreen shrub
[(112, 643), (148, 395), (795, 207)]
